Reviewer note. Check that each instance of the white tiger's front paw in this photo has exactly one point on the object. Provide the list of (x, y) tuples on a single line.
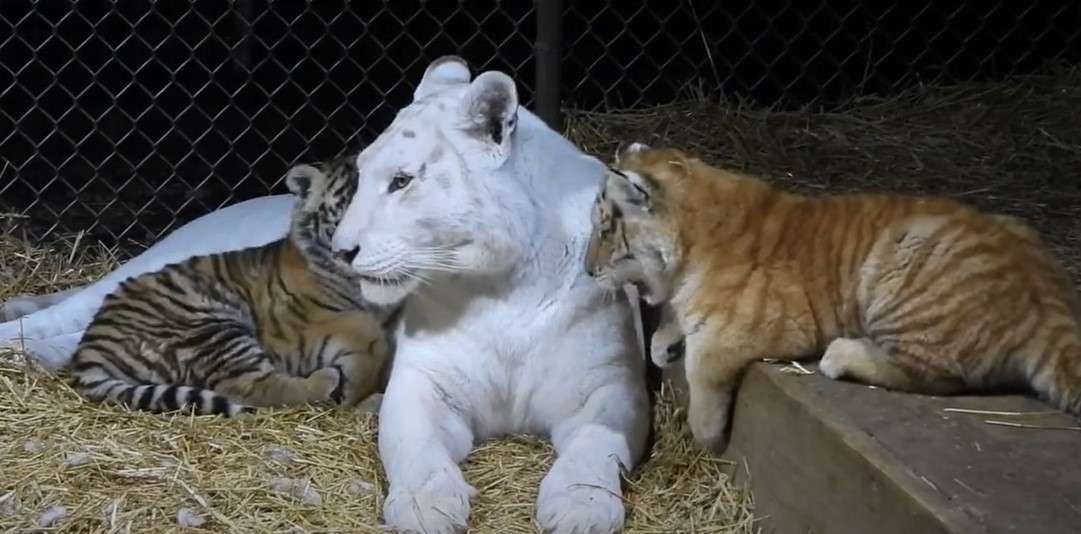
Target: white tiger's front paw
[(440, 505), (576, 498), (51, 352), (371, 404)]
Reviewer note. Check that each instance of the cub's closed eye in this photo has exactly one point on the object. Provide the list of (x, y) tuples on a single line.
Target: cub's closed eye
[(399, 181)]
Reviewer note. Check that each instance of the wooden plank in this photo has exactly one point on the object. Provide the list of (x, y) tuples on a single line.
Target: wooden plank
[(834, 457)]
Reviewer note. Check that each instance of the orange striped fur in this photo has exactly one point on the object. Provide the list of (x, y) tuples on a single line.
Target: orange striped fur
[(909, 293)]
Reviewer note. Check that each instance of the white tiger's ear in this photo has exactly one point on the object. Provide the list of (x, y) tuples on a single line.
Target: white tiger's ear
[(444, 71), (303, 179), (490, 114)]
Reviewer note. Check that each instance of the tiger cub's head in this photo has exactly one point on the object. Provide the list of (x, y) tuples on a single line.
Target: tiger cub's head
[(634, 239), (323, 194)]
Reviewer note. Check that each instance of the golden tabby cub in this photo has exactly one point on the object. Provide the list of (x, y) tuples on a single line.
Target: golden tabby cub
[(914, 294), (280, 324)]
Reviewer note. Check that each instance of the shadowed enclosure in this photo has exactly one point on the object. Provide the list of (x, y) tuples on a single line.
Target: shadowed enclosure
[(126, 119)]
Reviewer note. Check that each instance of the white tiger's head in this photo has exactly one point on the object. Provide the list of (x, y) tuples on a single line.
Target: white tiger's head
[(429, 199)]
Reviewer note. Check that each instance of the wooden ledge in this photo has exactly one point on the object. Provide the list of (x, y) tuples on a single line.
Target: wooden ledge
[(835, 457)]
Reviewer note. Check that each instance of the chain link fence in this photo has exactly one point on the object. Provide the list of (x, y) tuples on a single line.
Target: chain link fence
[(126, 119)]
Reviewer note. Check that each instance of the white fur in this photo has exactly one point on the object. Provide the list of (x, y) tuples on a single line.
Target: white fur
[(504, 332), (50, 335)]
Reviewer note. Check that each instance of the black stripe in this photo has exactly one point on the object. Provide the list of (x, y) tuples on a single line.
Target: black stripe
[(199, 338), (82, 366), (210, 374), (266, 375), (230, 374), (129, 307), (153, 364), (244, 359), (282, 286), (295, 309), (320, 362), (96, 335), (179, 301), (276, 323), (193, 398), (269, 289), (166, 281), (220, 273), (91, 384), (292, 361), (236, 346), (327, 307), (122, 365), (145, 397), (219, 405), (168, 398)]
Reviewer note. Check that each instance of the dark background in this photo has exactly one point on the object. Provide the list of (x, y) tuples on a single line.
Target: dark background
[(128, 119)]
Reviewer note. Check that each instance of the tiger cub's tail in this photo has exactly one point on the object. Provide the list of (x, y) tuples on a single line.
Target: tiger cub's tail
[(158, 398)]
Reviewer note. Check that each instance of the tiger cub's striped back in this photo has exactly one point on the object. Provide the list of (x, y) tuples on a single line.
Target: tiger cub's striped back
[(280, 324)]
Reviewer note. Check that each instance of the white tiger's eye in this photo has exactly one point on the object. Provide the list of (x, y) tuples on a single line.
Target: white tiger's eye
[(399, 181)]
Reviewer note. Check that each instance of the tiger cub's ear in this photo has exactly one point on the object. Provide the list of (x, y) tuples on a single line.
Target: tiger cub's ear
[(302, 180), (623, 153)]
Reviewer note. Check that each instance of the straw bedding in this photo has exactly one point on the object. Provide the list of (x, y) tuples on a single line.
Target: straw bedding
[(82, 467), (1011, 147)]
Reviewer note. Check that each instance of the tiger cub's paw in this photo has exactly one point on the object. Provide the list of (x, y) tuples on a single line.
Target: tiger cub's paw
[(668, 342), (325, 385), (664, 352)]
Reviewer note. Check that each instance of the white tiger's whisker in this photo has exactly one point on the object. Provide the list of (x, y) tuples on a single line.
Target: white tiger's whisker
[(417, 277)]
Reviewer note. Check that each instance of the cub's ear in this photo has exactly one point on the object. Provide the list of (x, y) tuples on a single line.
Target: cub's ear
[(444, 71), (623, 153), (490, 112), (629, 189), (303, 179)]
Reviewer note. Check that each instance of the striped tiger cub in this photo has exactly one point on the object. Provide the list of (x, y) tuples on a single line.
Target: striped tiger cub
[(914, 294), (281, 324)]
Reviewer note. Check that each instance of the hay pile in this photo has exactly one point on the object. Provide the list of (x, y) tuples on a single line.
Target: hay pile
[(1012, 147), (97, 468)]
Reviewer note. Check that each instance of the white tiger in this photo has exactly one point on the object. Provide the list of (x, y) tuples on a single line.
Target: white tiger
[(479, 213)]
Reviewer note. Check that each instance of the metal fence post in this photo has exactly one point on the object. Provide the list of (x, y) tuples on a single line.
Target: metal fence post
[(548, 53), (243, 13)]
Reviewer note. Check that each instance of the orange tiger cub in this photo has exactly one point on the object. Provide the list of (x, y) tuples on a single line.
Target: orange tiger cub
[(281, 324), (915, 294)]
